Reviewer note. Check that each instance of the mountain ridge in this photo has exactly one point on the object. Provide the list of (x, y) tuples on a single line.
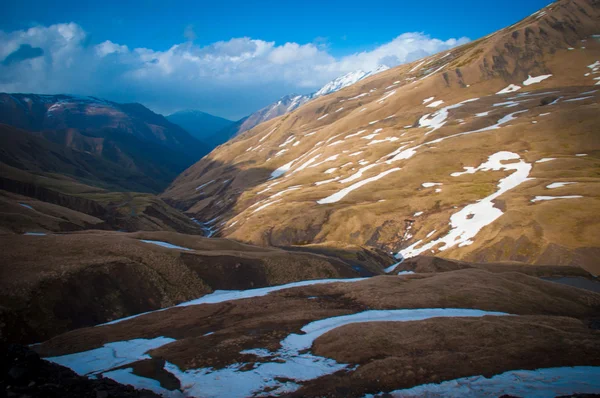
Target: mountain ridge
[(129, 136), (203, 126)]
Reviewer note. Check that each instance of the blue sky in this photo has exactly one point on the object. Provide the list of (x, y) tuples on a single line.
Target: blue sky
[(328, 35)]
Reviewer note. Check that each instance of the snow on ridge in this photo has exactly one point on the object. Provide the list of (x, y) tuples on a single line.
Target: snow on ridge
[(542, 198), (336, 197), (290, 139), (355, 134), (386, 96), (435, 104), (203, 185), (534, 80), (403, 154), (267, 135), (281, 170), (511, 88), (544, 160), (347, 80), (326, 181), (416, 66), (467, 222), (358, 174), (165, 244), (559, 184)]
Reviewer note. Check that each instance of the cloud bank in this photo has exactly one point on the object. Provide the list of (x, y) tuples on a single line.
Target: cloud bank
[(228, 78)]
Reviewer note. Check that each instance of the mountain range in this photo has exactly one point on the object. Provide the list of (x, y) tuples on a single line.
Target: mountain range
[(216, 131), (430, 229)]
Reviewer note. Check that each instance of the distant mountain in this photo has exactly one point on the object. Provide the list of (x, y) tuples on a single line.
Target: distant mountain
[(347, 80), (290, 102), (131, 138), (201, 125), (284, 105)]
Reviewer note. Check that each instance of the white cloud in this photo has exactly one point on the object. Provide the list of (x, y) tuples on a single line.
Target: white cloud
[(230, 78), (108, 47)]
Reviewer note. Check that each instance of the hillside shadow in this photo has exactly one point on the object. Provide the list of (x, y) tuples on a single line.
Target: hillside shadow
[(210, 190)]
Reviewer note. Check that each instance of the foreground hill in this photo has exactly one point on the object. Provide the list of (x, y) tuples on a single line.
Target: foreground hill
[(469, 331), (129, 146), (55, 282), (485, 152), (40, 202)]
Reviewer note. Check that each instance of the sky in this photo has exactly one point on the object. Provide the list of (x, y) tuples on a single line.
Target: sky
[(228, 58)]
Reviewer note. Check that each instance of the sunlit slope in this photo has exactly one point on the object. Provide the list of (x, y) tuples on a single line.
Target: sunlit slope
[(466, 154)]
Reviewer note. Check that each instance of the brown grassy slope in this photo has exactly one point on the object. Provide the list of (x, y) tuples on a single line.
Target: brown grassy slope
[(63, 204), (42, 217), (395, 355), (563, 232), (262, 321), (552, 327), (429, 264), (54, 283)]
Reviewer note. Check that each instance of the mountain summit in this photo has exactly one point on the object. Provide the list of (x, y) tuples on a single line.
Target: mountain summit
[(289, 103), (347, 80)]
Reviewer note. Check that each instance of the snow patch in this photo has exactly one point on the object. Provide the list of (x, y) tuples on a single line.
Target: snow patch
[(540, 383), (542, 198), (336, 197), (511, 88), (467, 222), (534, 80), (165, 244)]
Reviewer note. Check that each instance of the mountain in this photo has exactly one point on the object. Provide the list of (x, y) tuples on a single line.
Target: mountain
[(431, 230), (289, 103), (347, 80), (486, 152), (201, 125), (284, 105), (131, 147)]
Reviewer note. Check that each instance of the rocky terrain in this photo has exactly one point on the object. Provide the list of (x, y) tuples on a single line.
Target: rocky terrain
[(487, 152)]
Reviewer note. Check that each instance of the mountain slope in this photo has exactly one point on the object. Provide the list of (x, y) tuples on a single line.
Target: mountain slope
[(485, 152), (130, 146), (291, 102), (201, 125)]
